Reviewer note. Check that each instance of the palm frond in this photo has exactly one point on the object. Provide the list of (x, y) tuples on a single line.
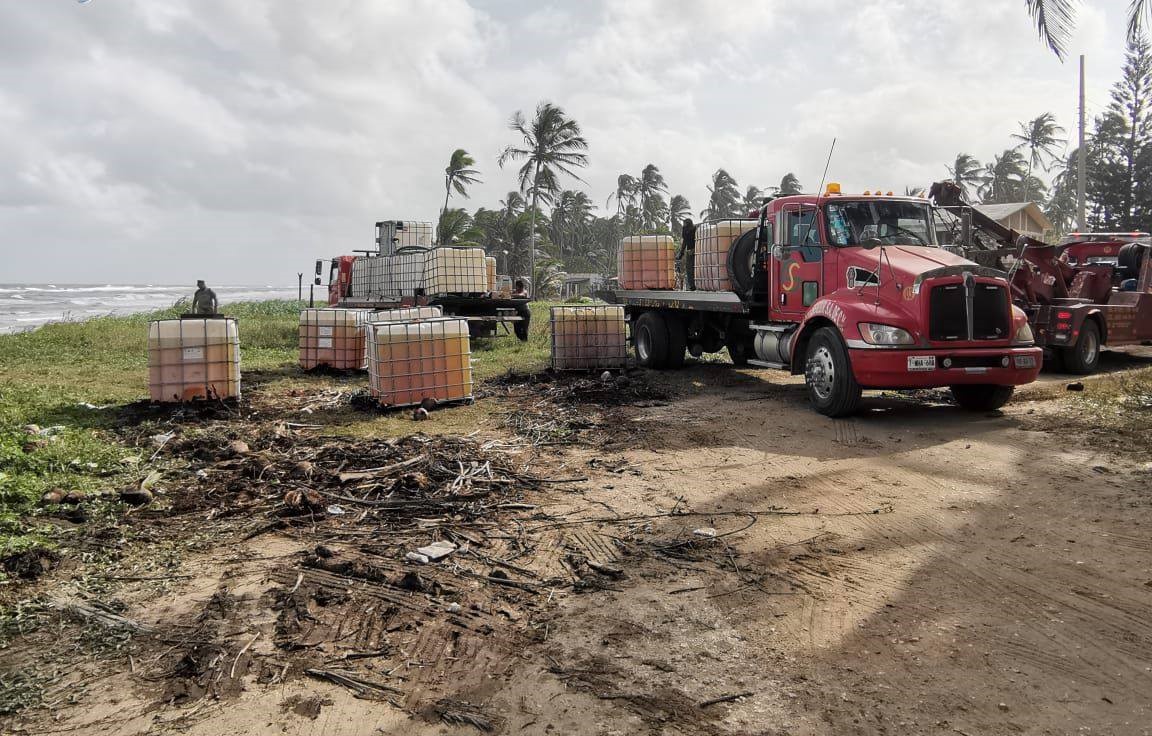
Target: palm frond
[(1055, 20)]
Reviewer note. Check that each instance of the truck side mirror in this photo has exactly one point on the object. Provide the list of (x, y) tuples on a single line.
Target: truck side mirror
[(316, 281), (870, 243), (319, 270)]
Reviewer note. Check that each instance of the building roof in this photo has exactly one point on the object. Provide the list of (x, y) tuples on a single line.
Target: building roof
[(1003, 211)]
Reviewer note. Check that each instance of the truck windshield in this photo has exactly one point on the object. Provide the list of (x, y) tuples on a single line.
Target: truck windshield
[(892, 222)]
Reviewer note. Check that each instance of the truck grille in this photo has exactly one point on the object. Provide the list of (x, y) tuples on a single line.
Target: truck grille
[(948, 318)]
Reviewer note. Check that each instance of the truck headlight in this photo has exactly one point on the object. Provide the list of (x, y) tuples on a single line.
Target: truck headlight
[(876, 334), (1023, 335)]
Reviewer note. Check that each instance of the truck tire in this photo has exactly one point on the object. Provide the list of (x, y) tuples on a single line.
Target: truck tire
[(651, 337), (677, 341), (740, 262), (740, 348), (1084, 357), (832, 387), (981, 396)]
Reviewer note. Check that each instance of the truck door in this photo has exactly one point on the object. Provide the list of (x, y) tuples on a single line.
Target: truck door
[(796, 268)]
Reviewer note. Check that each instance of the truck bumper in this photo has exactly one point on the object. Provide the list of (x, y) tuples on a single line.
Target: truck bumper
[(897, 369)]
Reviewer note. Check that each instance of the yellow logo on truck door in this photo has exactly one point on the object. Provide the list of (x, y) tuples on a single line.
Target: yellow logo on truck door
[(790, 282)]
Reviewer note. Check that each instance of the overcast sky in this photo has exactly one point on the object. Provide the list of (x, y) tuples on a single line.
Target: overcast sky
[(160, 141)]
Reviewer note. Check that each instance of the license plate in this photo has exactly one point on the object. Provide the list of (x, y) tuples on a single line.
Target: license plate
[(922, 362), (1025, 361)]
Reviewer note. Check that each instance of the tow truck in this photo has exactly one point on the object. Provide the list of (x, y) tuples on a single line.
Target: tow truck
[(1089, 291), (854, 293), (485, 312)]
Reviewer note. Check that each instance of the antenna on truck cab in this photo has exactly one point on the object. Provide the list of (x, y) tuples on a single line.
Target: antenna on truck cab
[(819, 192)]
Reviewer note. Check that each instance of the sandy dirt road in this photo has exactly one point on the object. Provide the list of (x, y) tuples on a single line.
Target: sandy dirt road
[(914, 570)]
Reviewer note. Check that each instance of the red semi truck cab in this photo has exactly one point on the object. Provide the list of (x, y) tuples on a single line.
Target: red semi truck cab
[(854, 293)]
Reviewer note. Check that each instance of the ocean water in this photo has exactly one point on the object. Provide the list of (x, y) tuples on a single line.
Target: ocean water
[(27, 306)]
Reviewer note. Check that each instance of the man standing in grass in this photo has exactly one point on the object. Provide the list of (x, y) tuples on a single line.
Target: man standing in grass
[(204, 300)]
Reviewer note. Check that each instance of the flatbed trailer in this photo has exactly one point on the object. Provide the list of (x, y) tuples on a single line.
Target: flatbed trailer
[(853, 293), (485, 315)]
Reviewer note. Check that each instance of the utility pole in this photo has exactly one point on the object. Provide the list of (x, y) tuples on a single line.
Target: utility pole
[(1081, 165)]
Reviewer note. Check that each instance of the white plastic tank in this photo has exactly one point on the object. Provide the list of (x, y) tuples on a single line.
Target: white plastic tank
[(193, 358), (412, 361), (490, 267), (647, 262)]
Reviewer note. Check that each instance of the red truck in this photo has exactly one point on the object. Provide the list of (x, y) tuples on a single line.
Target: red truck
[(854, 293), (1090, 291)]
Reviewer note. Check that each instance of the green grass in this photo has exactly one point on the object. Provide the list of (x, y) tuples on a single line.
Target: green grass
[(50, 375)]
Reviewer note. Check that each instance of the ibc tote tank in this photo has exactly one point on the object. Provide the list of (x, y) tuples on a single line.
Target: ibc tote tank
[(647, 262), (713, 241), (455, 271), (411, 361), (589, 337), (193, 358), (490, 267), (332, 337)]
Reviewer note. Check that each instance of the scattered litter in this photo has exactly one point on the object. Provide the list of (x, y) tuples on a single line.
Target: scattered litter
[(454, 608), (606, 376), (706, 531), (159, 440), (419, 414), (437, 550), (1075, 386), (416, 557), (336, 510)]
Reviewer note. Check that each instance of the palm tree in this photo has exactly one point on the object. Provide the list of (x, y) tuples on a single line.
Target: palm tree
[(569, 224), (650, 188), (1056, 19), (625, 193), (964, 171), (753, 198), (790, 185), (456, 228), (552, 145), (459, 174), (724, 201), (1004, 177), (1041, 139), (678, 211)]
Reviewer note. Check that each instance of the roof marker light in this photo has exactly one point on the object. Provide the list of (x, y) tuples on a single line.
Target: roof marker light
[(833, 188)]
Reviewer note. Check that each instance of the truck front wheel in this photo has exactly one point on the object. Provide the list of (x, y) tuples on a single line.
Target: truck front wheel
[(1084, 357), (982, 396), (832, 387), (651, 337)]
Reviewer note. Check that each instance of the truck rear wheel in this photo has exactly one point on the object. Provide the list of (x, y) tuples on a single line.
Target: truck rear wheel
[(832, 387), (1084, 356), (651, 337), (981, 396), (740, 348)]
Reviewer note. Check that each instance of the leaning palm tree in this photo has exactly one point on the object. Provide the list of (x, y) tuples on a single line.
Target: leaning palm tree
[(625, 193), (650, 188), (1056, 19), (753, 198), (459, 174), (1041, 138), (552, 145), (966, 170), (724, 199), (789, 184), (1004, 178)]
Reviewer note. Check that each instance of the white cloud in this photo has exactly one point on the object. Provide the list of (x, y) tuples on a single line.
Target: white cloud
[(267, 133)]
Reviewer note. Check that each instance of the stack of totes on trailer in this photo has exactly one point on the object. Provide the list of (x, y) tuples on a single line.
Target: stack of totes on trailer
[(393, 235), (713, 240), (647, 262), (406, 272), (455, 271), (589, 337), (192, 359), (333, 338), (490, 272), (412, 361)]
